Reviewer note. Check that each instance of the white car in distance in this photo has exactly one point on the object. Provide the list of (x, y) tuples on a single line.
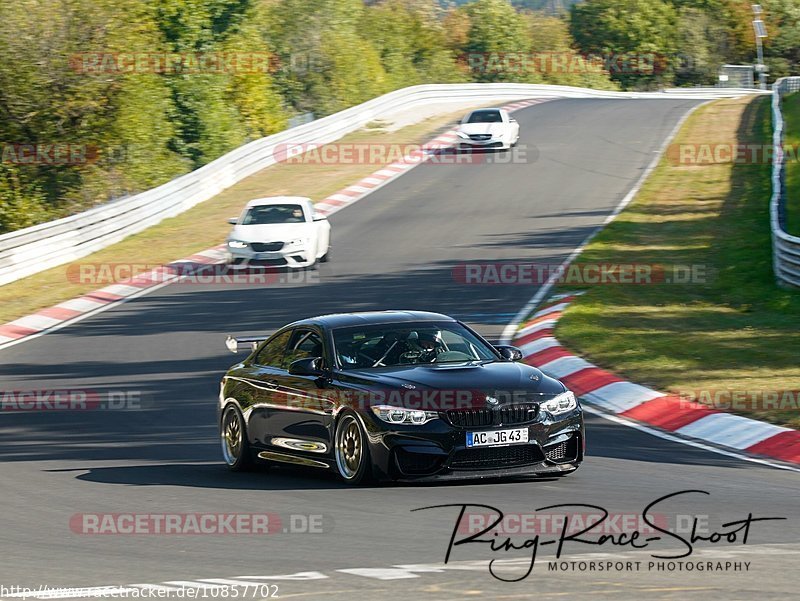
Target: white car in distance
[(487, 128), (280, 231)]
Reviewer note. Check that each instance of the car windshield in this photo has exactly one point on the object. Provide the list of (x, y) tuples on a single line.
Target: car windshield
[(388, 345), (268, 214), (485, 117)]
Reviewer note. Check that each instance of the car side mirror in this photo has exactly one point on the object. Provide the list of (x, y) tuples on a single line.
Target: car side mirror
[(310, 366), (509, 353), (233, 220), (319, 217)]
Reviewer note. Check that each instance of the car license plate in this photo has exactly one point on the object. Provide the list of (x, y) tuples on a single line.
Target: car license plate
[(497, 438)]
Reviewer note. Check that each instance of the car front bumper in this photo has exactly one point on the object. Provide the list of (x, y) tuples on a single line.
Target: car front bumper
[(464, 143), (292, 258), (437, 450)]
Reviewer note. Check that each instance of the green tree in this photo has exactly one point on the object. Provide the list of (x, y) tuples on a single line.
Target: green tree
[(637, 38), (782, 47), (410, 39), (701, 51), (47, 95), (255, 94), (216, 112), (351, 72), (22, 203), (324, 62), (498, 37), (557, 61)]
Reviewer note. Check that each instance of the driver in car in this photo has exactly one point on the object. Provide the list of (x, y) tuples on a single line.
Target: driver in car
[(408, 348), (423, 348)]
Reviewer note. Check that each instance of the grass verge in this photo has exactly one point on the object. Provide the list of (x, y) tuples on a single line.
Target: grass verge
[(735, 333), (205, 225), (791, 114)]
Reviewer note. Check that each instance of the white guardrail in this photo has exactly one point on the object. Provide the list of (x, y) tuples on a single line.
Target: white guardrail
[(34, 249), (785, 247)]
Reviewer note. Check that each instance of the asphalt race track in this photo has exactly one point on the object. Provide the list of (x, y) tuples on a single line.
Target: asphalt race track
[(395, 249)]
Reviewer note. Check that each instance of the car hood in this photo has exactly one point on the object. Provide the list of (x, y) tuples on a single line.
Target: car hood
[(483, 128), (275, 232), (490, 377)]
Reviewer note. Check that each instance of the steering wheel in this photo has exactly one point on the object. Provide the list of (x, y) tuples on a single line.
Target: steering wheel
[(420, 356)]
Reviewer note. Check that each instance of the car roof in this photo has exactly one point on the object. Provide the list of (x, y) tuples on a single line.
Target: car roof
[(277, 200), (364, 318)]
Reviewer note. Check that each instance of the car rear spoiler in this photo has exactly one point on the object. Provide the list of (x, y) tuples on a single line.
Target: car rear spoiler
[(233, 342)]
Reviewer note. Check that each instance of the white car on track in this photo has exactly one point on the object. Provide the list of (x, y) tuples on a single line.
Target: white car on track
[(488, 128), (280, 231)]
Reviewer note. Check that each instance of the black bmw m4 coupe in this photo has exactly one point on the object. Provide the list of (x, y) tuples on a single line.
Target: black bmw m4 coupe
[(395, 395)]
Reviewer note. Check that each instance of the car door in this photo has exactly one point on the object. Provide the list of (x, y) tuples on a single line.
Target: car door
[(303, 417), (262, 385)]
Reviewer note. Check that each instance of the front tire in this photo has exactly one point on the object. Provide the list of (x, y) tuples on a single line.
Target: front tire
[(352, 451), (233, 436)]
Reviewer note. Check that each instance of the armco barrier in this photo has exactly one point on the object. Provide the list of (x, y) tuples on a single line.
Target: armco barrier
[(785, 247), (31, 250)]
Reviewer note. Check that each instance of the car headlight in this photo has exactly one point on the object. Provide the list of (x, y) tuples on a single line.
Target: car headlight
[(400, 415), (237, 244), (564, 402), (461, 134)]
